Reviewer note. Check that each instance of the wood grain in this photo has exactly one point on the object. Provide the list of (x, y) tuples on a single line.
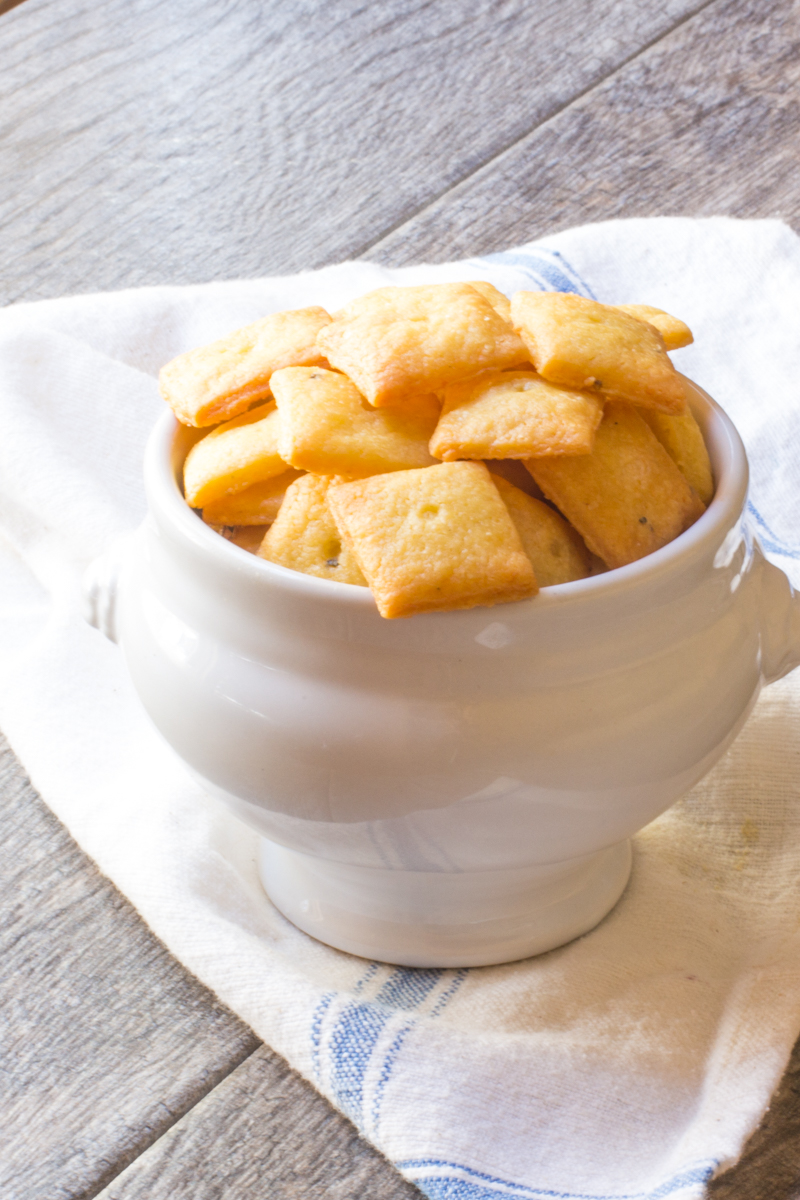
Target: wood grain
[(769, 1168), (107, 1040), (706, 122), (144, 143), (261, 1133)]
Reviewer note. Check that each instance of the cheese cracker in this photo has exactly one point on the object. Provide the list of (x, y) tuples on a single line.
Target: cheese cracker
[(305, 538), (403, 341), (627, 498), (233, 456), (327, 426), (582, 344), (438, 538), (556, 551), (220, 380), (675, 333), (514, 414), (257, 504), (683, 441)]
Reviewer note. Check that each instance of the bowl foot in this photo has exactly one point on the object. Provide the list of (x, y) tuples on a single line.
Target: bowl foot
[(439, 919)]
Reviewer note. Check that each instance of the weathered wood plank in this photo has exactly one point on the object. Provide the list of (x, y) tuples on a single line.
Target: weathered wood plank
[(769, 1169), (706, 122), (106, 1039), (259, 1134), (144, 143)]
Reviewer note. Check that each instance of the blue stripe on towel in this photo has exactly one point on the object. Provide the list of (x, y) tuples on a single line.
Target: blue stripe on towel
[(408, 987), (448, 1181), (547, 269), (354, 1032), (769, 540), (350, 1047)]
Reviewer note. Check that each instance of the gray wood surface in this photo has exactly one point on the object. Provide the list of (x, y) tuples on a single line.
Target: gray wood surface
[(143, 143), (706, 122), (769, 1168), (106, 1040), (258, 1134)]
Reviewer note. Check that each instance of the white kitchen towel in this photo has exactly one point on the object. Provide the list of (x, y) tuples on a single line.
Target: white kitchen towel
[(634, 1062)]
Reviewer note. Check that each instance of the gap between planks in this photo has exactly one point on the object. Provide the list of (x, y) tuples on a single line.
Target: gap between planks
[(517, 140)]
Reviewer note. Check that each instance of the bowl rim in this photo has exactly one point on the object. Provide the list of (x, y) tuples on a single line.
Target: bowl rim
[(163, 460)]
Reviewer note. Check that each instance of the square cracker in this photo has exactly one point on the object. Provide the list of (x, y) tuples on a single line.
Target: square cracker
[(258, 504), (582, 344), (627, 498), (683, 441), (437, 538), (676, 333), (305, 538), (246, 537), (500, 303), (233, 456), (398, 342), (514, 414), (556, 551), (327, 426), (220, 380)]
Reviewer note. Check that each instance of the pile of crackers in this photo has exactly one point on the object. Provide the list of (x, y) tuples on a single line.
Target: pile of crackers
[(443, 445)]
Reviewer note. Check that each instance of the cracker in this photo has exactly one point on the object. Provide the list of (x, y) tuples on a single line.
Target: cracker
[(305, 538), (438, 538), (258, 504), (681, 438), (556, 551), (220, 380), (675, 333), (514, 414), (514, 471), (328, 427), (233, 456), (627, 498), (404, 341), (500, 303), (582, 344), (247, 537)]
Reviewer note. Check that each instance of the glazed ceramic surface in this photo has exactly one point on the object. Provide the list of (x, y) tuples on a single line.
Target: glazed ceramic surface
[(454, 788)]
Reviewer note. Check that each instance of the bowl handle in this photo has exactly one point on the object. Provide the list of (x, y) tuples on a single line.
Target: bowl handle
[(100, 587), (780, 622)]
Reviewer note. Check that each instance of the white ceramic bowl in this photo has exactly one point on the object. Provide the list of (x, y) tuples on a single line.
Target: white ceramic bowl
[(454, 788)]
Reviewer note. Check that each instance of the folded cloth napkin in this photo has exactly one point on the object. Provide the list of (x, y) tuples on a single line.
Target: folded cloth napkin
[(634, 1062)]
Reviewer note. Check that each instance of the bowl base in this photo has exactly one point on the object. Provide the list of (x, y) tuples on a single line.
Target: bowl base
[(440, 919)]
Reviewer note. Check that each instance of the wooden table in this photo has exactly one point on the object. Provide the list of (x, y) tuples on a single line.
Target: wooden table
[(148, 143)]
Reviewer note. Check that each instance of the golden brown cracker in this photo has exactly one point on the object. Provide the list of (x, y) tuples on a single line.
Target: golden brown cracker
[(556, 550), (304, 536), (514, 414), (404, 341), (233, 456), (683, 441), (676, 333), (582, 344), (215, 382), (247, 537), (627, 498), (431, 539), (513, 470), (329, 428), (500, 303), (257, 504)]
